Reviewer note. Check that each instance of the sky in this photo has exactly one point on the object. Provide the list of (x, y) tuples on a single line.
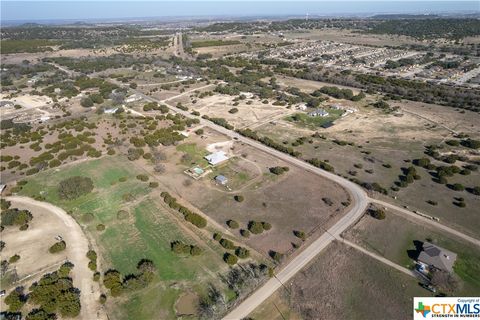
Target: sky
[(39, 10)]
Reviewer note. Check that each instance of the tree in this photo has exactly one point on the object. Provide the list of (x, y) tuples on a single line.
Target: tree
[(457, 187), (233, 224), (255, 227), (14, 258), (239, 198), (58, 247), (277, 256), (227, 244), (230, 259), (300, 234), (74, 187), (15, 300), (377, 213), (245, 233), (86, 102), (242, 253)]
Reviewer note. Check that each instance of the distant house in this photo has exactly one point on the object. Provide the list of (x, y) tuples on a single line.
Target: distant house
[(433, 256), (6, 104), (134, 97), (216, 158), (221, 179), (302, 107), (110, 111), (319, 113)]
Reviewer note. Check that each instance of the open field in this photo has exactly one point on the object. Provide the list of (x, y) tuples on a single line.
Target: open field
[(343, 283), (394, 237), (146, 231)]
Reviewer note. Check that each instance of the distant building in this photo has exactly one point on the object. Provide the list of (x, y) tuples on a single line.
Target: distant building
[(134, 97), (6, 104), (221, 179), (433, 256), (302, 107), (216, 158), (110, 111), (319, 113)]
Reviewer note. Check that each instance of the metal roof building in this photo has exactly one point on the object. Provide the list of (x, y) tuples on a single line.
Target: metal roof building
[(216, 158)]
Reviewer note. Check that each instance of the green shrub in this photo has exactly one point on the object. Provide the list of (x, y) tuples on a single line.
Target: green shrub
[(230, 259), (14, 258), (58, 247), (74, 187), (233, 224), (239, 198)]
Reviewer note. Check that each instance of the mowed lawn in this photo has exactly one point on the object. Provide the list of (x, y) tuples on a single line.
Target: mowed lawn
[(394, 236), (145, 232)]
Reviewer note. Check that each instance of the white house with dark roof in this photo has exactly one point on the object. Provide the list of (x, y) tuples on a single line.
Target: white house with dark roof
[(433, 256)]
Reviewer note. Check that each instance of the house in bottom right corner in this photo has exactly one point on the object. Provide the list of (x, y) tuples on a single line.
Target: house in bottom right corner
[(435, 257)]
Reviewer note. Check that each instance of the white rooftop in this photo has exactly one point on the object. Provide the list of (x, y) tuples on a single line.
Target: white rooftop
[(216, 157)]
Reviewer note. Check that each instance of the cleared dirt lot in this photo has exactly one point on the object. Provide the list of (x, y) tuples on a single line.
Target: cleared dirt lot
[(341, 284), (32, 246)]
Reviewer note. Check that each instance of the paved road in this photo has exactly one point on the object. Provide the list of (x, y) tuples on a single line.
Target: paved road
[(428, 221), (78, 244)]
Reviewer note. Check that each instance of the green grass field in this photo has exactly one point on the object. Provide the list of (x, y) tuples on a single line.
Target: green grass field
[(193, 155), (146, 232)]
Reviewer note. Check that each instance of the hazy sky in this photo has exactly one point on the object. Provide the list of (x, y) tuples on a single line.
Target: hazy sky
[(78, 10)]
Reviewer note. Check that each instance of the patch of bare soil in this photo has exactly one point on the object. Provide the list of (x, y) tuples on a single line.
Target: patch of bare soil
[(187, 304)]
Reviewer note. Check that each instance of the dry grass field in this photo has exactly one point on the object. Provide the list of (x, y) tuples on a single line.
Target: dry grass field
[(342, 283), (295, 200), (394, 237)]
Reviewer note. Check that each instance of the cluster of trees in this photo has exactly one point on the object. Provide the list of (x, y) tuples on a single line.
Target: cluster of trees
[(257, 227), (213, 43), (74, 187), (219, 121), (268, 142), (14, 216), (340, 93), (409, 176), (92, 256), (240, 252), (154, 106), (377, 213), (181, 248), (321, 164), (54, 294), (452, 28), (192, 217), (278, 170), (397, 88), (118, 284)]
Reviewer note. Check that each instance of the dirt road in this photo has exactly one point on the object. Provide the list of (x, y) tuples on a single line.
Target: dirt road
[(78, 245)]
